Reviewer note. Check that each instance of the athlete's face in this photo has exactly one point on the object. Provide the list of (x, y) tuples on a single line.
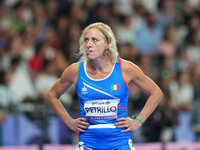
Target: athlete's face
[(95, 44)]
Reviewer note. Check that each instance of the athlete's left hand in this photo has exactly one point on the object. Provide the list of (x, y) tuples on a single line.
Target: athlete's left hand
[(128, 123)]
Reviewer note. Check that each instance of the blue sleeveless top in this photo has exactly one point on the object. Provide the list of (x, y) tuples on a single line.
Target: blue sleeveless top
[(102, 101)]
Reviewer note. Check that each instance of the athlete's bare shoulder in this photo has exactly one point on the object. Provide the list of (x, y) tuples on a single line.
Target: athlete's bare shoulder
[(74, 67), (128, 65), (130, 70), (71, 72)]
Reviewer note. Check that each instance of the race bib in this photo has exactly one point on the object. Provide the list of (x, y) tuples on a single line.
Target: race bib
[(101, 109)]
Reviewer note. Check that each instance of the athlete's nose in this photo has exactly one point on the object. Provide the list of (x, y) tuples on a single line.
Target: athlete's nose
[(89, 44)]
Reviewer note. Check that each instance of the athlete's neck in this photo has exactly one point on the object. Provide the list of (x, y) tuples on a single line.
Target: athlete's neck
[(100, 65)]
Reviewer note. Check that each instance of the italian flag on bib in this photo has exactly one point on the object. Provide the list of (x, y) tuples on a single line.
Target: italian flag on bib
[(115, 87)]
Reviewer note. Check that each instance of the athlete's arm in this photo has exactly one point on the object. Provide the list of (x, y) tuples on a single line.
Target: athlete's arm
[(133, 73), (68, 77)]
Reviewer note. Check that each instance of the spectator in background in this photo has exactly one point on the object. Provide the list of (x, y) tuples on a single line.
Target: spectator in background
[(195, 118), (45, 80), (193, 24), (39, 23), (71, 49), (196, 80), (6, 95), (138, 16), (125, 33), (148, 35), (167, 46), (166, 13), (17, 21), (53, 50), (52, 12), (182, 60), (150, 5), (27, 46), (193, 48), (21, 83), (164, 119), (182, 95), (36, 62), (182, 92)]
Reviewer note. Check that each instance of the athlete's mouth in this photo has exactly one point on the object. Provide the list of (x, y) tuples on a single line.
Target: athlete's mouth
[(89, 51)]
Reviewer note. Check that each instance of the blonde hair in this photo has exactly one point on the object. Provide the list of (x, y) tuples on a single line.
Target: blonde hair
[(109, 36)]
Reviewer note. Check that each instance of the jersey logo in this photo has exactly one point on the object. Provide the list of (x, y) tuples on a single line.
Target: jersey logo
[(84, 90), (115, 87)]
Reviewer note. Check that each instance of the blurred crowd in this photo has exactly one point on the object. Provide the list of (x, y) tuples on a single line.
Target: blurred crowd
[(39, 39)]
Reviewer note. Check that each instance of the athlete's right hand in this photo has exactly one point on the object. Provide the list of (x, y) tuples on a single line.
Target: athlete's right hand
[(78, 125)]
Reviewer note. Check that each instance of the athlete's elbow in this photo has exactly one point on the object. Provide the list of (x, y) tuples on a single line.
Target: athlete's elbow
[(49, 96), (159, 94)]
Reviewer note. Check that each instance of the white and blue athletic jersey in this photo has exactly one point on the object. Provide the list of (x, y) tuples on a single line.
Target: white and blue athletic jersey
[(101, 102)]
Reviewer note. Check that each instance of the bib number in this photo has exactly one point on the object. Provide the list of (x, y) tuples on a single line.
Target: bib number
[(101, 109)]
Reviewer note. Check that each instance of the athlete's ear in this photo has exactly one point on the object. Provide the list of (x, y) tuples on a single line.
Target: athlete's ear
[(107, 52)]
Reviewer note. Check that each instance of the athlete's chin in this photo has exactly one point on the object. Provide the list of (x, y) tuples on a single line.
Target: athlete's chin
[(89, 57)]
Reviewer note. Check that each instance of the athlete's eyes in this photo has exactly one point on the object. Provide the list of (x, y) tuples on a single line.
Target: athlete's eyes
[(94, 39), (86, 40)]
